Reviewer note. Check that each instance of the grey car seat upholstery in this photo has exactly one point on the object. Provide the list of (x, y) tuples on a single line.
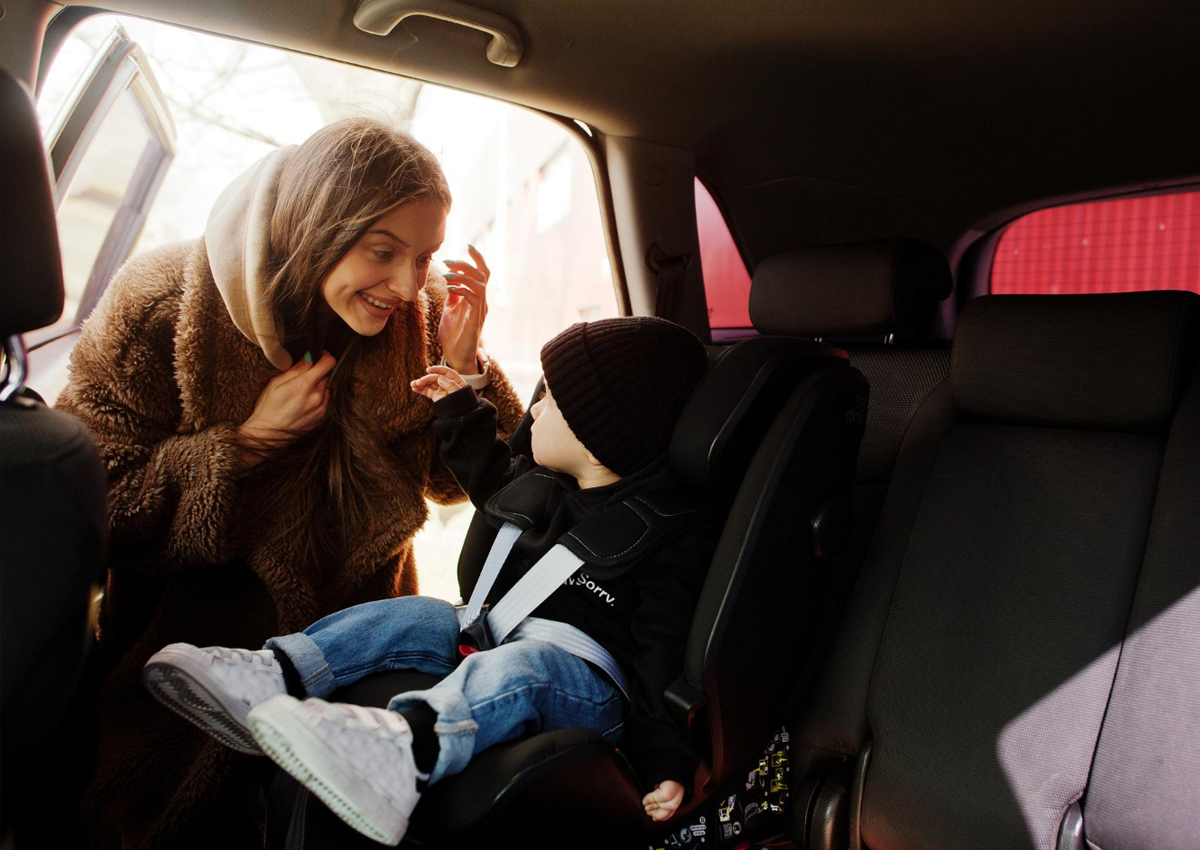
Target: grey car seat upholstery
[(963, 701), (53, 519), (1144, 788)]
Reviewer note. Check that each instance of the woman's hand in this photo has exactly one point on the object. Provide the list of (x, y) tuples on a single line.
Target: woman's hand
[(439, 383), (664, 800), (291, 403), (465, 310)]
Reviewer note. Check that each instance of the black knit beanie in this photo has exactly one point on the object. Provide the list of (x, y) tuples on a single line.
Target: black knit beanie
[(622, 383)]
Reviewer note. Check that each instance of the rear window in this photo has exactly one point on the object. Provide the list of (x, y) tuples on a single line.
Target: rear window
[(1122, 245), (726, 281)]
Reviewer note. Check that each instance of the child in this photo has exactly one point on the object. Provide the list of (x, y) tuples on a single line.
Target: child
[(613, 392)]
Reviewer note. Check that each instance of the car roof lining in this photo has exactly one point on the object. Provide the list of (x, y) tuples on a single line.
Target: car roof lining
[(922, 119)]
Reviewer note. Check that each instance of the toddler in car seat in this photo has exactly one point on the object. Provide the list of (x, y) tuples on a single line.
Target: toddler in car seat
[(598, 650)]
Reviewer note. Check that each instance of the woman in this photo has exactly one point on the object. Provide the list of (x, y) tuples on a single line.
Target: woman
[(267, 462)]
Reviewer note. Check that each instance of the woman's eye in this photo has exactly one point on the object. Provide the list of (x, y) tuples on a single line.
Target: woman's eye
[(423, 261), (382, 253)]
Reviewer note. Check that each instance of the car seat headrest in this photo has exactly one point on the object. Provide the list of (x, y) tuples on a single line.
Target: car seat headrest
[(734, 405), (864, 289), (31, 292), (1113, 362)]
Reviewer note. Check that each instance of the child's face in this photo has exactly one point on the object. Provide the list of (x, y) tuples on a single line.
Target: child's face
[(555, 445)]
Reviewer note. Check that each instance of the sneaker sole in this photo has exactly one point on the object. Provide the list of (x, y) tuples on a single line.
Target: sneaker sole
[(185, 694), (291, 745)]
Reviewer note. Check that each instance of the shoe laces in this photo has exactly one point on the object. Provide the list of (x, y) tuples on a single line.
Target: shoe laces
[(255, 658), (375, 720)]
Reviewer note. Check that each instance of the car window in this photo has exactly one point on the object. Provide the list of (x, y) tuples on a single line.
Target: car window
[(1122, 245), (110, 138), (726, 281), (523, 187)]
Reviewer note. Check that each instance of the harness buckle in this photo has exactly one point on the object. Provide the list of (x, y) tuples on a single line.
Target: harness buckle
[(476, 636)]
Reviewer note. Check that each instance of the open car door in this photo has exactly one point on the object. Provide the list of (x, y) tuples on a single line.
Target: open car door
[(110, 145)]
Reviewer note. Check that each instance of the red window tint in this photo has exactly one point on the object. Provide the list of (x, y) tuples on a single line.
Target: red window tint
[(1103, 246), (726, 281)]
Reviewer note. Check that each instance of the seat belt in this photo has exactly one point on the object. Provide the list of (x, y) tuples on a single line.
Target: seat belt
[(509, 619)]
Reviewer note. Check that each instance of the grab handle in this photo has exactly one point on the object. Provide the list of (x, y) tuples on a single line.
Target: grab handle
[(380, 17)]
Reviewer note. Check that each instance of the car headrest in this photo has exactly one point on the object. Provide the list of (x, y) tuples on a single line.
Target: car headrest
[(730, 411), (862, 289), (1107, 362), (31, 288)]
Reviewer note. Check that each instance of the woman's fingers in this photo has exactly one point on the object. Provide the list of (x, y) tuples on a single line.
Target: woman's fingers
[(306, 367), (460, 268), (475, 299), (472, 290), (479, 271), (321, 368), (478, 258)]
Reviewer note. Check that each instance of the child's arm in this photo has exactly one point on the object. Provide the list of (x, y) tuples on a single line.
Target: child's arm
[(658, 743), (471, 445)]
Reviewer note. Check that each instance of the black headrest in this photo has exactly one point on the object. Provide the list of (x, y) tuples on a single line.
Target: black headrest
[(734, 405), (1108, 362), (862, 289), (31, 282)]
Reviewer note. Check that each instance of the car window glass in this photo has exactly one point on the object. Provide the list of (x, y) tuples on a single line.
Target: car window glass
[(96, 192), (1122, 245), (726, 281), (67, 75)]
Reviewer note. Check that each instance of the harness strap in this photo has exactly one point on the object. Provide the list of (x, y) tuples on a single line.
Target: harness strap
[(533, 588), (573, 640), (506, 538), (509, 619)]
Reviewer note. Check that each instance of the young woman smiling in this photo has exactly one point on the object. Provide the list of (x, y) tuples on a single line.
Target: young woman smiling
[(267, 461)]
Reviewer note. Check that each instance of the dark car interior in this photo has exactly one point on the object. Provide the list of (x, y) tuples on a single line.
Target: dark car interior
[(959, 565)]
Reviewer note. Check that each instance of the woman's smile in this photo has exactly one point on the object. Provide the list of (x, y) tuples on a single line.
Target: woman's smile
[(377, 307)]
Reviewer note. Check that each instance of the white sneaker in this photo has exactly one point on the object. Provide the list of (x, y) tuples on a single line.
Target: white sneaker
[(215, 687), (357, 760)]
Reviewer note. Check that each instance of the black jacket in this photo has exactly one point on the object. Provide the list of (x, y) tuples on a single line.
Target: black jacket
[(639, 612)]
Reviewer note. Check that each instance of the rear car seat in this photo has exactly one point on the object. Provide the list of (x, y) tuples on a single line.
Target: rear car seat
[(1144, 790), (876, 300), (963, 700), (53, 516)]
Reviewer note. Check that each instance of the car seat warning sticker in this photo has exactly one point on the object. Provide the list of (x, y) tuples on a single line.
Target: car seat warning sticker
[(746, 813)]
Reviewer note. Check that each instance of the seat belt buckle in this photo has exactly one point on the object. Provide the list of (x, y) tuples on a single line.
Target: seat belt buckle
[(476, 636)]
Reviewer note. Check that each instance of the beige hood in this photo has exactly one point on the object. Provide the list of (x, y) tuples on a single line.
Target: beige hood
[(236, 239)]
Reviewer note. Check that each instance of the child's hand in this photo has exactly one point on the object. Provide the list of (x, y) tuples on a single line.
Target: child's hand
[(439, 383), (662, 802)]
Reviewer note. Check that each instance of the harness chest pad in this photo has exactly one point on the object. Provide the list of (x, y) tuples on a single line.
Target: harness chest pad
[(625, 532)]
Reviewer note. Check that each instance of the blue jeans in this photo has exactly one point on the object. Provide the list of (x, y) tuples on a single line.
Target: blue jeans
[(486, 698)]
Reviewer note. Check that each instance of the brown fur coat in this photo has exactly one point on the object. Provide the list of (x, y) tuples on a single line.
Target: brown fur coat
[(162, 377)]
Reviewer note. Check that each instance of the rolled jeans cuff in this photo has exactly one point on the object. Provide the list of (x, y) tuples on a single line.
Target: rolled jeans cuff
[(454, 727), (309, 662)]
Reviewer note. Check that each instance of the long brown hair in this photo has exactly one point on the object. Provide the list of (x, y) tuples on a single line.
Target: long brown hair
[(336, 184)]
